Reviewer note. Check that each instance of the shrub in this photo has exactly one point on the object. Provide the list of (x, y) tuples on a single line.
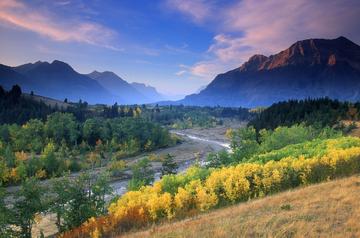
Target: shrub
[(202, 189)]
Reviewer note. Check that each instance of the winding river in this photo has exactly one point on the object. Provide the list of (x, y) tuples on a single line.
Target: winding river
[(182, 152), (120, 186)]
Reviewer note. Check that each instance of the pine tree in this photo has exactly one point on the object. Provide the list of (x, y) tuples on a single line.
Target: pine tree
[(169, 166)]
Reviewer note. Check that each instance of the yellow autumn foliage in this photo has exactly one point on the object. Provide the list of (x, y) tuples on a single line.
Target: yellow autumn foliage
[(224, 186)]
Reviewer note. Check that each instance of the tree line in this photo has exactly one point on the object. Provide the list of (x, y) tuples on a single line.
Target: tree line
[(318, 112), (15, 108), (61, 143), (182, 117)]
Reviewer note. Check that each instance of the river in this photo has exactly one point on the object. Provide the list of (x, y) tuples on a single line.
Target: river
[(194, 142), (120, 186)]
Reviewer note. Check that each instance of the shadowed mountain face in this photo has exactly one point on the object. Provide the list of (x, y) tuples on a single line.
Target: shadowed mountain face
[(134, 93), (309, 68), (149, 92), (59, 80), (118, 87)]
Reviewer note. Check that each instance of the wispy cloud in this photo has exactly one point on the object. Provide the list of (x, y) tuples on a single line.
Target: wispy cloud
[(181, 73), (197, 10), (207, 69), (177, 49), (17, 14), (248, 27), (62, 2)]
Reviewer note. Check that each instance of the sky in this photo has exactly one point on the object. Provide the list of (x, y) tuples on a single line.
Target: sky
[(178, 46)]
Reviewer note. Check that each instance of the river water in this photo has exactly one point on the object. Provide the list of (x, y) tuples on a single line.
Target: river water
[(120, 186)]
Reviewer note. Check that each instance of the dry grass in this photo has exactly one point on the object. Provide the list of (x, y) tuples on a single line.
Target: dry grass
[(48, 101), (330, 209)]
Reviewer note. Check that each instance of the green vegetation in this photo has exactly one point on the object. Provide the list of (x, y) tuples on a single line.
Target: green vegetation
[(247, 146), (28, 205), (318, 112), (182, 117), (61, 144), (277, 160), (16, 109), (5, 214), (76, 201), (169, 166), (73, 201), (142, 175), (287, 145)]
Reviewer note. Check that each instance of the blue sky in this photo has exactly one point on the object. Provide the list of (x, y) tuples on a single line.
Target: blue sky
[(175, 45)]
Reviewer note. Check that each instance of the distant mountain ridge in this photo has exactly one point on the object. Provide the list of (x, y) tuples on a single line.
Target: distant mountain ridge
[(148, 91), (309, 68), (118, 87), (59, 80)]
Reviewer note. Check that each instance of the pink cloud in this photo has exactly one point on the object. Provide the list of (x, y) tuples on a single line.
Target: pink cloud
[(16, 14), (270, 26), (267, 27), (206, 69)]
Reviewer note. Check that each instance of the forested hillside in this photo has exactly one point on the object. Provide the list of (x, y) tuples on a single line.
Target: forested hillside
[(16, 109), (318, 112)]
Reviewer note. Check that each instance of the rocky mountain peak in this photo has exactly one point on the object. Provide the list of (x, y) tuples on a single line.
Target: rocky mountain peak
[(253, 63), (309, 52)]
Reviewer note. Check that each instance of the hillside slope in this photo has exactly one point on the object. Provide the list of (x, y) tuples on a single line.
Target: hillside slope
[(48, 101), (309, 68), (148, 91), (123, 91), (330, 209), (57, 80)]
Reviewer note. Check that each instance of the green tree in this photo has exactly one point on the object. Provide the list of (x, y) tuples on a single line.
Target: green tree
[(4, 172), (100, 189), (169, 166), (9, 157), (49, 160), (5, 217), (75, 201), (28, 204), (60, 188), (33, 135), (217, 160), (283, 136), (21, 171), (79, 207), (244, 143), (142, 174), (92, 130), (33, 165), (61, 126)]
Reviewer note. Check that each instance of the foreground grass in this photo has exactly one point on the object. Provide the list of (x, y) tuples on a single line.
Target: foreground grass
[(330, 209)]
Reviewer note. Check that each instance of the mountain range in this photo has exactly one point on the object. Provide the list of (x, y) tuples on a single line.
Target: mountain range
[(59, 80), (307, 69)]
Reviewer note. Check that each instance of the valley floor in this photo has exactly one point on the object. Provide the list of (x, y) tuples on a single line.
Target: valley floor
[(197, 143), (330, 209)]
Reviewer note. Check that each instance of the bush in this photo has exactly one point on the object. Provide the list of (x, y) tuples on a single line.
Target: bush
[(202, 189)]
